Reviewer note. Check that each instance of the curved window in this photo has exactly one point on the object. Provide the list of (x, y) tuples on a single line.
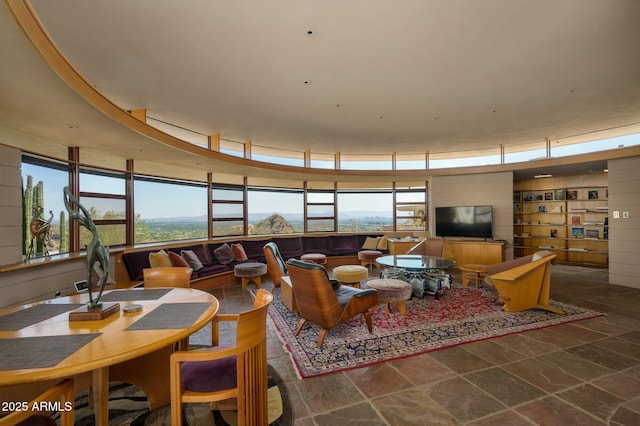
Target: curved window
[(364, 211), (275, 211)]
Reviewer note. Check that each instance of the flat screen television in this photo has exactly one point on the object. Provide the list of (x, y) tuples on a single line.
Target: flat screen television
[(464, 221)]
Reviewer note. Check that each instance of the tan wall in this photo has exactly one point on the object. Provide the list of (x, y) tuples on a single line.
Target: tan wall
[(624, 234), (494, 189), (10, 205)]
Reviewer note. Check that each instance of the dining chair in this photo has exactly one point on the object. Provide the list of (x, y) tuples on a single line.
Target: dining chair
[(171, 276), (276, 267), (325, 302), (225, 372), (63, 392)]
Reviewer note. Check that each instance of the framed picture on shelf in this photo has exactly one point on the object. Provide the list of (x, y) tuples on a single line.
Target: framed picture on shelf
[(559, 195), (572, 195), (593, 194), (516, 196), (575, 220), (542, 209), (537, 197), (528, 196), (548, 195), (593, 234), (553, 233), (577, 232)]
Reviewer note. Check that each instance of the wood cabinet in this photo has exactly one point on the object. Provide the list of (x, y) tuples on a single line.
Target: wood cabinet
[(572, 221), (402, 245), (474, 252)]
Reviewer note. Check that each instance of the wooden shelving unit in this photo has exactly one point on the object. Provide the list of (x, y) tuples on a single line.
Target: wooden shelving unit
[(571, 221)]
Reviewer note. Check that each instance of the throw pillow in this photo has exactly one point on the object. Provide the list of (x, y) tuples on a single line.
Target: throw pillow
[(382, 243), (177, 260), (224, 254), (238, 252), (192, 259), (159, 259), (370, 243)]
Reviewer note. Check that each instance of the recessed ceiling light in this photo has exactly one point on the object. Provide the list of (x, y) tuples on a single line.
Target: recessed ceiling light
[(381, 116), (307, 82), (71, 127), (310, 33)]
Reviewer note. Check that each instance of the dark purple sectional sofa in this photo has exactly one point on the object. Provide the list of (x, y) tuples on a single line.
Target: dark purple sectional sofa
[(290, 247)]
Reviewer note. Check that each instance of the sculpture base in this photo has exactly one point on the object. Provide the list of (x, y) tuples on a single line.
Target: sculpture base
[(86, 314)]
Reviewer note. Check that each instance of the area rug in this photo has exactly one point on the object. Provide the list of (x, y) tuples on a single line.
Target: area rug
[(128, 406), (460, 315)]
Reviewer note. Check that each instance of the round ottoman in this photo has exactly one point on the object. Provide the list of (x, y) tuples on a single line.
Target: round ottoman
[(318, 258), (350, 274), (250, 271), (392, 291), (368, 257)]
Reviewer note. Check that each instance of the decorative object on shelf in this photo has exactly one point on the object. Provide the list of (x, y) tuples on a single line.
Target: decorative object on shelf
[(542, 208), (593, 194), (553, 233), (575, 220), (559, 195), (97, 260)]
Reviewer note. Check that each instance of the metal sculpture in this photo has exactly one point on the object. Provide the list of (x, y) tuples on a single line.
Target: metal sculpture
[(40, 230), (97, 253)]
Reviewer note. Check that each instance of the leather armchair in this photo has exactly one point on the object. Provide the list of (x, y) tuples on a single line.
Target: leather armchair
[(276, 267), (524, 283), (326, 302)]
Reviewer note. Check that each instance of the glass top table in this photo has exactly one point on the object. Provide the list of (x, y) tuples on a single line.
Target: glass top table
[(416, 262)]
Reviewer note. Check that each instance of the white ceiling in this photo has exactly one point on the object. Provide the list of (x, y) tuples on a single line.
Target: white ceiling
[(382, 76)]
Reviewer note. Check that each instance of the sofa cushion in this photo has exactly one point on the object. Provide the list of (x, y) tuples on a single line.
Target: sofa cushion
[(199, 249), (316, 245), (370, 243), (212, 269), (290, 247), (192, 259), (343, 245), (254, 251), (135, 262), (224, 254), (382, 243), (159, 259), (209, 376), (177, 260), (238, 252)]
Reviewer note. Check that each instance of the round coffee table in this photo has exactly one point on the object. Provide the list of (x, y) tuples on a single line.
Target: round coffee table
[(250, 271), (350, 274)]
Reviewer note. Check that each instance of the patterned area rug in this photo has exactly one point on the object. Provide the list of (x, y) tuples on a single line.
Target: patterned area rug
[(461, 315), (128, 406)]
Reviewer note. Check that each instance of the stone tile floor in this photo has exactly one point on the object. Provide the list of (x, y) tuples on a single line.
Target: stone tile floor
[(586, 373)]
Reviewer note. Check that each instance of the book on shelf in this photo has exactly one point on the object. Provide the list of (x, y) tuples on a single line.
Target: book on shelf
[(576, 210), (593, 223), (575, 220), (592, 234), (577, 249), (548, 195), (545, 246), (602, 208), (577, 232)]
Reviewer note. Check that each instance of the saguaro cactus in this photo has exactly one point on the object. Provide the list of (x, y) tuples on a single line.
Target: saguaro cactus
[(27, 202), (38, 201), (64, 235)]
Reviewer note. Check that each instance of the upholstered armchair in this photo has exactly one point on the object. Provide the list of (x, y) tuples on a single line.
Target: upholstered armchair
[(324, 301), (276, 267), (429, 247), (524, 283)]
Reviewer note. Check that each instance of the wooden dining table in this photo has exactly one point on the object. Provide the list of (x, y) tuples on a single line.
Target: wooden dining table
[(39, 345)]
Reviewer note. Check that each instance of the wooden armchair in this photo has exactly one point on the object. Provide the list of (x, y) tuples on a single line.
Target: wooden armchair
[(524, 283), (276, 267), (429, 247), (63, 392), (175, 276), (226, 372), (324, 302)]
